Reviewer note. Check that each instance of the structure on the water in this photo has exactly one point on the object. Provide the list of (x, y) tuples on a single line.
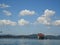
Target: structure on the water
[(40, 36)]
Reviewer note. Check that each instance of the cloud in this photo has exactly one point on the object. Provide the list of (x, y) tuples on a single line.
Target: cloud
[(7, 22), (26, 12), (46, 17), (7, 13), (48, 13), (4, 5), (43, 20), (56, 23), (23, 22)]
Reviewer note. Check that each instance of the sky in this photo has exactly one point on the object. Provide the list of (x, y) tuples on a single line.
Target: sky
[(23, 17)]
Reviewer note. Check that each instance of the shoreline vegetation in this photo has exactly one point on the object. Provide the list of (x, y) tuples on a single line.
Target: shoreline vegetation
[(32, 36)]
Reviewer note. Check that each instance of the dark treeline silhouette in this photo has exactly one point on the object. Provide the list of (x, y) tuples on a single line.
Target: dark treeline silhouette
[(32, 36)]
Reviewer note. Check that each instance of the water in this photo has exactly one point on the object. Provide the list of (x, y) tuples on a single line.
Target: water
[(28, 42)]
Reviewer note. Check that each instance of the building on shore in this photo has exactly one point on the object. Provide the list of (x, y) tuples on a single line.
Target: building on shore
[(40, 36)]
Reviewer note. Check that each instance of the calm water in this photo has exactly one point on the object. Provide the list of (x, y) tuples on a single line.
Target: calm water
[(28, 42)]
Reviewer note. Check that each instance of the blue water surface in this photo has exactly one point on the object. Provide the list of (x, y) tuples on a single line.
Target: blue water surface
[(28, 42)]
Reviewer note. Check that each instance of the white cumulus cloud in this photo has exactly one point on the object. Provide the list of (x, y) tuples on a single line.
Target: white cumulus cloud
[(4, 5), (8, 13), (45, 18), (23, 22), (7, 22), (48, 13), (56, 23), (26, 12)]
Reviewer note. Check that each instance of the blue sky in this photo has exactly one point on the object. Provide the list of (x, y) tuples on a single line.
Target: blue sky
[(19, 17)]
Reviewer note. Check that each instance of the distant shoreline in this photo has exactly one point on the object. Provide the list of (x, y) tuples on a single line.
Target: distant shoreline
[(33, 36)]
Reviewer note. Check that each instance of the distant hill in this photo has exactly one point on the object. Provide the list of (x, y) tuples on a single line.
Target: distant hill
[(32, 36)]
